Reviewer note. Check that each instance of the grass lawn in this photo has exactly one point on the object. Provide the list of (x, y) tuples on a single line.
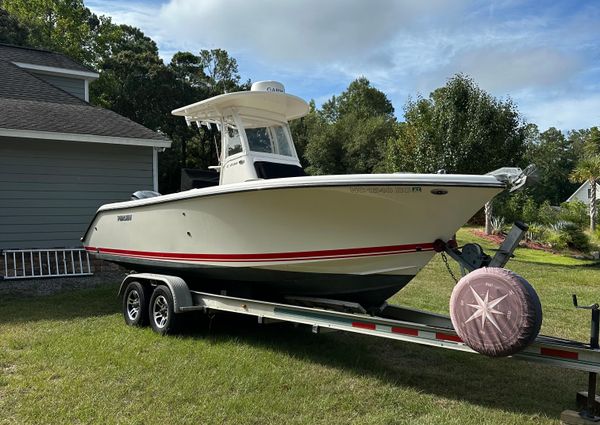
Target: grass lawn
[(69, 358)]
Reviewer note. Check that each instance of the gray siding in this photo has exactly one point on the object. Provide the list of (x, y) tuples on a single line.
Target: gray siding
[(49, 191), (74, 86)]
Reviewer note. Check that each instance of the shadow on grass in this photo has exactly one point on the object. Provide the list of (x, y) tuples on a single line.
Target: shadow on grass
[(69, 305), (590, 265), (506, 384)]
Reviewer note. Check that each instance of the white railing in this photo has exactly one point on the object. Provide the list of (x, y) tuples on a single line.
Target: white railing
[(54, 262)]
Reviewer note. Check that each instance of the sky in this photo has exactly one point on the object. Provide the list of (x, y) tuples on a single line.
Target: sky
[(544, 55)]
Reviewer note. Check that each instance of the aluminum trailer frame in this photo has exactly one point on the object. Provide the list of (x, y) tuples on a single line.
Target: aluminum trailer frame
[(545, 349), (392, 322)]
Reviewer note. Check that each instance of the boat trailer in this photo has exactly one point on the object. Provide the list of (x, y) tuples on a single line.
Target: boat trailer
[(162, 301)]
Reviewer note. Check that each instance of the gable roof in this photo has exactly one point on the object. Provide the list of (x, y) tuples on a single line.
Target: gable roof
[(585, 186), (33, 108), (17, 83), (40, 57)]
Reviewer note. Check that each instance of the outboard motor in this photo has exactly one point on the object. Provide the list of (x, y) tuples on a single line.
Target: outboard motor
[(144, 194)]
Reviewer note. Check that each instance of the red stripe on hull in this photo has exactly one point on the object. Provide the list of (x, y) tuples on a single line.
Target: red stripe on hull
[(275, 256)]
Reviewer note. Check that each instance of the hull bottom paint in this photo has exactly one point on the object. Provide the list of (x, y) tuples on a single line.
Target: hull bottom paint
[(273, 285)]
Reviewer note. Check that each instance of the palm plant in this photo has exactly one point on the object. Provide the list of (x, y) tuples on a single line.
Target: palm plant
[(588, 170)]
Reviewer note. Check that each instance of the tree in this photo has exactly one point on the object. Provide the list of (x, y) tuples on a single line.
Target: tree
[(58, 25), (220, 71), (11, 30), (591, 142), (305, 129), (134, 81), (353, 130), (460, 129), (554, 157), (362, 100), (187, 69), (588, 170), (576, 139)]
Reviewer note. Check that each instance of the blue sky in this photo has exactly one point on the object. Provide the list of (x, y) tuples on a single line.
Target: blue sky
[(545, 55)]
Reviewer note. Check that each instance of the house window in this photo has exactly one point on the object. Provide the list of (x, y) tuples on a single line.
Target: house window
[(589, 193)]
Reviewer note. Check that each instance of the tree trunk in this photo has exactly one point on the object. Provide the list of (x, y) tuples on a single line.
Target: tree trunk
[(593, 205), (488, 217)]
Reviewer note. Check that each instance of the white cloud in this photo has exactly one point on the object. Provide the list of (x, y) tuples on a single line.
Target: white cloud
[(294, 31), (503, 70), (545, 58), (565, 113), (135, 13)]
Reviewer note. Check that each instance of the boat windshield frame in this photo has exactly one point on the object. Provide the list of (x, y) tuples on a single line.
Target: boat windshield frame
[(232, 117), (234, 123)]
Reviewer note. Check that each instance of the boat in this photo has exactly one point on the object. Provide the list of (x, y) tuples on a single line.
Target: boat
[(267, 230)]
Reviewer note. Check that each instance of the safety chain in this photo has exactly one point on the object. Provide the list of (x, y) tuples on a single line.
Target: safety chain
[(445, 259)]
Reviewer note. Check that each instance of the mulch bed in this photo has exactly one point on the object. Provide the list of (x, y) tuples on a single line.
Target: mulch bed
[(498, 239)]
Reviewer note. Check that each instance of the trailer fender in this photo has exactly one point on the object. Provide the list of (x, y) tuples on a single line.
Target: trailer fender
[(182, 297)]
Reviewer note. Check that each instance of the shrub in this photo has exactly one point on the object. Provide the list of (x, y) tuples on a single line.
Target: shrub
[(575, 212), (558, 226), (563, 234), (547, 214), (536, 232), (556, 239), (517, 206), (577, 239), (530, 211), (497, 225)]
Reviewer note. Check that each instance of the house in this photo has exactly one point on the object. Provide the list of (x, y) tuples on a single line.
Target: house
[(60, 157), (584, 193)]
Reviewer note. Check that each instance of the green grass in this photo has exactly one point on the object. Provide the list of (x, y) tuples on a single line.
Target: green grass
[(69, 358)]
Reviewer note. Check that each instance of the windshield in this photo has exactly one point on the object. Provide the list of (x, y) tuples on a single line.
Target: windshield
[(273, 139), (233, 144)]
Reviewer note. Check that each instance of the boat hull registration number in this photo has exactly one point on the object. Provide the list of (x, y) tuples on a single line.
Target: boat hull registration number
[(385, 189)]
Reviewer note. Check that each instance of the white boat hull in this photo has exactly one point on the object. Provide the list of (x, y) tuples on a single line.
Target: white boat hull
[(352, 237)]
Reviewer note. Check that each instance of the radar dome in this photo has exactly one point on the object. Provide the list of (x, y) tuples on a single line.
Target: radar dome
[(270, 86)]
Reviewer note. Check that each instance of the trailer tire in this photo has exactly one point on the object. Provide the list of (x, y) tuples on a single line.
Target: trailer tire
[(135, 304), (495, 312), (161, 311)]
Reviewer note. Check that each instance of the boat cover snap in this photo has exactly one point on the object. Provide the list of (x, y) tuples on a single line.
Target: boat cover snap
[(495, 312)]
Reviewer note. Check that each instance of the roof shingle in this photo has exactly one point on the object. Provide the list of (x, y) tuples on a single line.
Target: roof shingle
[(40, 57), (16, 83), (29, 103), (70, 118)]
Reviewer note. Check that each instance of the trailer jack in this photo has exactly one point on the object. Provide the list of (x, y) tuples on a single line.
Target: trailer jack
[(587, 401)]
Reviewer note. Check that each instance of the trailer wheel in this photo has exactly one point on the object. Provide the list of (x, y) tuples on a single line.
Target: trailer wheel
[(495, 312), (135, 304), (162, 314)]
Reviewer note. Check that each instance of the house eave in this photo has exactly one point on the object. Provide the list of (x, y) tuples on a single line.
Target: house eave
[(574, 194), (85, 138), (63, 72)]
